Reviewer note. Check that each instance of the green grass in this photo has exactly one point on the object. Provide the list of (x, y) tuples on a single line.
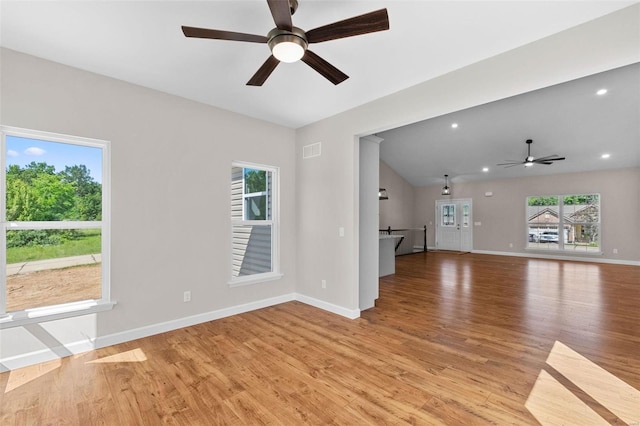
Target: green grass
[(88, 243)]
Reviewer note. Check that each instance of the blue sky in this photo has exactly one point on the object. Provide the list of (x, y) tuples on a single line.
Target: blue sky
[(22, 151)]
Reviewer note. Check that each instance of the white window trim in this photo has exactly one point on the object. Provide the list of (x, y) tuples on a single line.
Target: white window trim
[(275, 273), (561, 248), (66, 310)]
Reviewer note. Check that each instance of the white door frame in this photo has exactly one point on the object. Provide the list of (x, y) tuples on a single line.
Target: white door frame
[(459, 235)]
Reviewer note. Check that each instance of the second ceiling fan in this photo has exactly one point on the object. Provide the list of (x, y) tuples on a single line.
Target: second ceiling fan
[(289, 43), (530, 160)]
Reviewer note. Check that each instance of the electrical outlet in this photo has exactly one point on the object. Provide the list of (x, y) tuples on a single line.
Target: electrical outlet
[(186, 296), (510, 245), (615, 251), (324, 283)]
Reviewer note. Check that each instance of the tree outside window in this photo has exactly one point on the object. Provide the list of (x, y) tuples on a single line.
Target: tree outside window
[(53, 214)]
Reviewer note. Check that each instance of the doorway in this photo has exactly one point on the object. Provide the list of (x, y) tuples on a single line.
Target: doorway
[(454, 219)]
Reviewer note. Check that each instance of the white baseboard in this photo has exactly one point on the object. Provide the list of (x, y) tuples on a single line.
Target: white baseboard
[(44, 355), (576, 258), (74, 348), (163, 327), (339, 310)]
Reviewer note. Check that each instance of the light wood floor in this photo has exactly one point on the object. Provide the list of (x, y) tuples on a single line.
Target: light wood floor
[(454, 339)]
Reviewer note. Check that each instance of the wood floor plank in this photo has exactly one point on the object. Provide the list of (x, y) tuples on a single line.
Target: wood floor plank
[(453, 340)]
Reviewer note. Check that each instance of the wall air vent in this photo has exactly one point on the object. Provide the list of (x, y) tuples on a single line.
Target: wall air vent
[(310, 151)]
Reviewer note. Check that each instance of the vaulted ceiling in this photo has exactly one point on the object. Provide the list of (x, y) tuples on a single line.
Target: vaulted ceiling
[(570, 120)]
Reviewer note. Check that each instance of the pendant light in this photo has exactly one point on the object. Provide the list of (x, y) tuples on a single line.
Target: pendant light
[(446, 190)]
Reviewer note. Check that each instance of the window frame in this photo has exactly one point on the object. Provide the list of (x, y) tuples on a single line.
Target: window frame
[(69, 309), (273, 220), (562, 224)]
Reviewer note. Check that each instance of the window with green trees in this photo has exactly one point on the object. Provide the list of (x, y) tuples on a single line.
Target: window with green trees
[(254, 224), (564, 222), (54, 220)]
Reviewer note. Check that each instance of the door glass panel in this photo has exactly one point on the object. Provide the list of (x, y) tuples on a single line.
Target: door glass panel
[(465, 215), (448, 215)]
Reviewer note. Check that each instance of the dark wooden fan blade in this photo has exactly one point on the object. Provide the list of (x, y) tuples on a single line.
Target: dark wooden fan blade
[(548, 158), (327, 70), (363, 24), (281, 12), (264, 72), (222, 35)]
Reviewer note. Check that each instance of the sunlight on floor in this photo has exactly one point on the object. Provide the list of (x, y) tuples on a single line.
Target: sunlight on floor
[(614, 394), (134, 355), (551, 403), (24, 375)]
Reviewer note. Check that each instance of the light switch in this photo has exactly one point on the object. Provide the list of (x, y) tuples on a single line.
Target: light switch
[(341, 231)]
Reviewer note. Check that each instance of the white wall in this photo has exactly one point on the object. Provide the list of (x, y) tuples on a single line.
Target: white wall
[(397, 211), (369, 246), (596, 46), (171, 165), (502, 216)]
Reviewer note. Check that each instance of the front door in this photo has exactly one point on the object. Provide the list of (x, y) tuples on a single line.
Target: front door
[(453, 225)]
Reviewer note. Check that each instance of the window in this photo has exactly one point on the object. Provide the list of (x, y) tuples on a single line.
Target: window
[(254, 223), (54, 225), (564, 222)]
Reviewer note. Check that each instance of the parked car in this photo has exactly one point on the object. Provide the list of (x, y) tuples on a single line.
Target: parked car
[(550, 237), (533, 238)]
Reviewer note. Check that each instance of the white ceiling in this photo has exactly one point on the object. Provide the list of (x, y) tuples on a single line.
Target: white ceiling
[(141, 42), (567, 119)]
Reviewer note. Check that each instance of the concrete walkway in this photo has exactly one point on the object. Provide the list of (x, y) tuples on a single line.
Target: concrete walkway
[(43, 265)]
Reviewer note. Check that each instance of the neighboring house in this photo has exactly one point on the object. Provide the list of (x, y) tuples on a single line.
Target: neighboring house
[(545, 220)]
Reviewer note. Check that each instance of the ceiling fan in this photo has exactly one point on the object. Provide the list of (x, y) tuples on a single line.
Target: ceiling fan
[(289, 43), (530, 160)]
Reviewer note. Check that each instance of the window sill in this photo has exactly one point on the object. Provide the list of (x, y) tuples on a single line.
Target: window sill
[(51, 313), (255, 279)]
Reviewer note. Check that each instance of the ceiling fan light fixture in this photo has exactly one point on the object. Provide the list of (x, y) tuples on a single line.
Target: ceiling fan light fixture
[(287, 46)]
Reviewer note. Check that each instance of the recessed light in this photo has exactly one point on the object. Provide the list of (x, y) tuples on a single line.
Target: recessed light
[(454, 125), (485, 169), (601, 92), (605, 156)]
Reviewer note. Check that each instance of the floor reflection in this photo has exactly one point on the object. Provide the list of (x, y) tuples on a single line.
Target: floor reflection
[(551, 284)]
